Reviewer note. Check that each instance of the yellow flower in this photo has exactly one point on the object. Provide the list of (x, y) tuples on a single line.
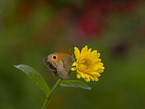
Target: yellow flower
[(87, 65)]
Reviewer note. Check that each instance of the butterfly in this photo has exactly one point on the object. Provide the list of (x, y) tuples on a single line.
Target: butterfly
[(60, 64)]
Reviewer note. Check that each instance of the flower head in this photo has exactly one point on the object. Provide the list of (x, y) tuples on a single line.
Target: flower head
[(87, 64)]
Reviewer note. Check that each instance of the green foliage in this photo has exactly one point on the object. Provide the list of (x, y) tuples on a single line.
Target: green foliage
[(35, 76), (75, 84), (40, 82)]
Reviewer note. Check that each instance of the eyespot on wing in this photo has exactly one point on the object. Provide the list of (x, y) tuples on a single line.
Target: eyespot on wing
[(49, 64)]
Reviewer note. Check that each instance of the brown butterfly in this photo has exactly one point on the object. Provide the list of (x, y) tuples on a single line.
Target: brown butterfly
[(60, 64)]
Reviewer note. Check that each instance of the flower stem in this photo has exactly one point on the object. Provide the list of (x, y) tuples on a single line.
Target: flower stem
[(50, 95)]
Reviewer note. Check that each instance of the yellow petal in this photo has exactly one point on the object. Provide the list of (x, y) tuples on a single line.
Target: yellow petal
[(87, 76), (100, 70), (78, 75), (95, 74), (90, 49), (84, 50), (81, 61), (74, 64), (73, 69), (82, 74), (98, 74), (96, 60), (98, 55), (99, 65), (94, 52), (96, 79), (76, 52), (92, 78), (87, 79)]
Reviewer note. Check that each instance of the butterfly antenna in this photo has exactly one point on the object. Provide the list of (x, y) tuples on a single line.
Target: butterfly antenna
[(71, 52)]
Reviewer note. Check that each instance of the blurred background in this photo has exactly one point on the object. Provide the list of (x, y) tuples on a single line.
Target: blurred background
[(32, 29)]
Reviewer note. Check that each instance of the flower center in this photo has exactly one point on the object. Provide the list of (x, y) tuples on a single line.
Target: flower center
[(85, 64)]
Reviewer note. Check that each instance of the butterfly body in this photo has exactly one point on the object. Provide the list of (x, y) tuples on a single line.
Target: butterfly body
[(60, 64)]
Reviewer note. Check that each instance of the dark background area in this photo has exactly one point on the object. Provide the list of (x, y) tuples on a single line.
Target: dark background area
[(32, 29)]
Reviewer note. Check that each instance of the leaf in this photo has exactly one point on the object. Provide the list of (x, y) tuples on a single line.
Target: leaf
[(35, 76), (74, 83)]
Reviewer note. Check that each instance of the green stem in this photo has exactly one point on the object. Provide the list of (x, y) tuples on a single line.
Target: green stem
[(50, 95)]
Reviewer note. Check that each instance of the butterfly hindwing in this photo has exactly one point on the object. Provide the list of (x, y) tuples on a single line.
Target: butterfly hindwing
[(63, 67), (54, 73)]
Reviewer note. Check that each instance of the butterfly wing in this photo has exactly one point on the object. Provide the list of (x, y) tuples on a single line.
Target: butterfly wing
[(64, 66), (54, 73), (50, 66)]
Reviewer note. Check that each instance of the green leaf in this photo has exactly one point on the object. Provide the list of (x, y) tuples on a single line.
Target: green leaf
[(74, 83), (35, 76)]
